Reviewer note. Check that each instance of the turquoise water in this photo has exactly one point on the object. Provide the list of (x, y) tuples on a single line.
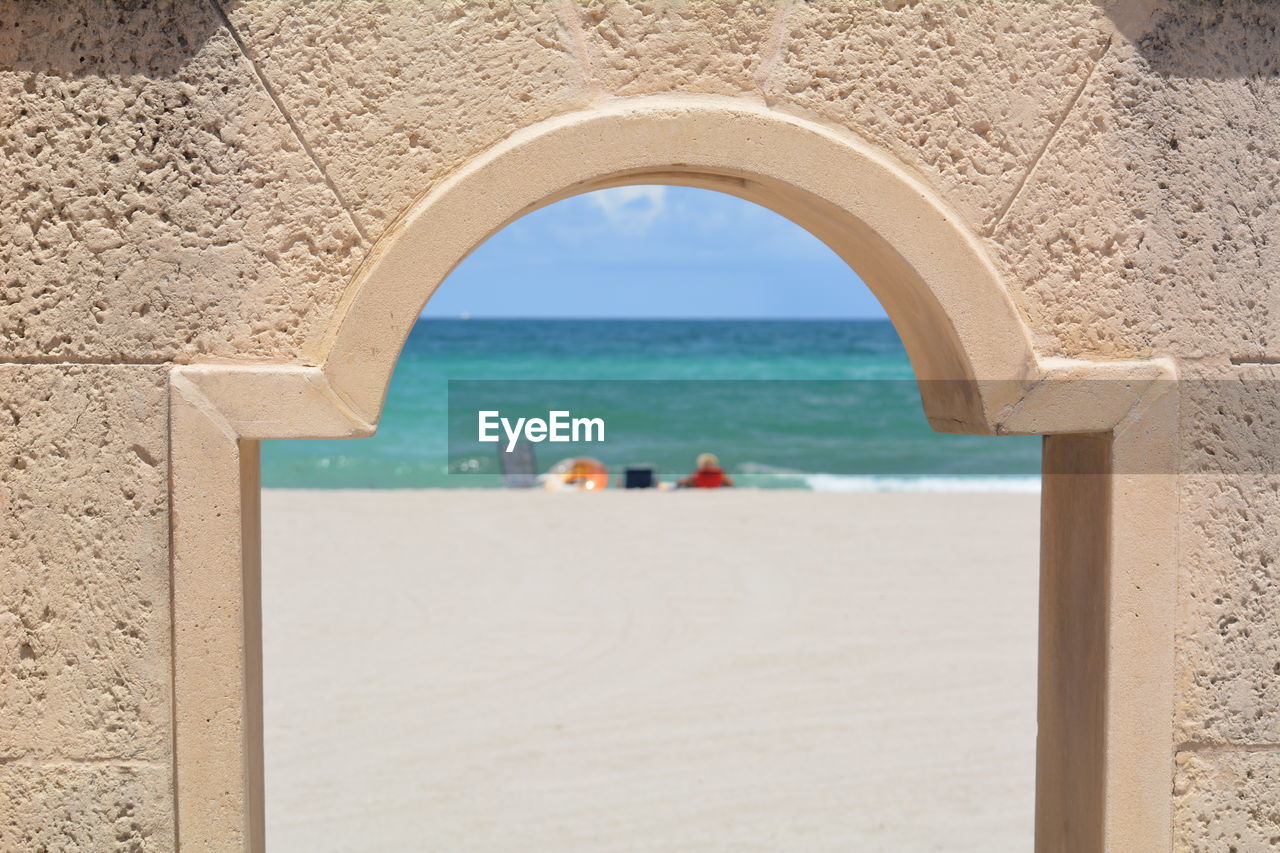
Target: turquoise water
[(824, 404)]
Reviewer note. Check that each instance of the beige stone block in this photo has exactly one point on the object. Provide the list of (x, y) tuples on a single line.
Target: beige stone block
[(1144, 227), (393, 95), (1225, 802), (966, 92), (155, 202), (84, 588), (1227, 647), (1070, 242), (1228, 651), (76, 808), (716, 46)]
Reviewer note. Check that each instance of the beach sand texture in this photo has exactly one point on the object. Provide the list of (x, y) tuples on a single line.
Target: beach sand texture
[(749, 671)]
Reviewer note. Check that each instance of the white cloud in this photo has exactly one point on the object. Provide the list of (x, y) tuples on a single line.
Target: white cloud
[(659, 224), (630, 209)]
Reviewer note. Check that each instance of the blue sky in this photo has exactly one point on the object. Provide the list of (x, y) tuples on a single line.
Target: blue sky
[(653, 251)]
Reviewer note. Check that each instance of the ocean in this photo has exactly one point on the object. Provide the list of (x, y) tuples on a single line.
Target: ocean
[(825, 405)]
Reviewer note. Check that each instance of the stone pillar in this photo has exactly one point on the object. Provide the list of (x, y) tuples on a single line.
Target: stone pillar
[(218, 622)]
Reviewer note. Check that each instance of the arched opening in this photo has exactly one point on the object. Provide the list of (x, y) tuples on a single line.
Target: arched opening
[(590, 263), (965, 339), (556, 671), (1105, 591)]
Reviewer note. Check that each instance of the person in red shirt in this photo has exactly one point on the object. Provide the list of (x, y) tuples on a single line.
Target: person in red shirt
[(709, 474)]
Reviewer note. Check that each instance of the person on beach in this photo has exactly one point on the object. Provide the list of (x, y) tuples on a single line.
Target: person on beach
[(709, 474)]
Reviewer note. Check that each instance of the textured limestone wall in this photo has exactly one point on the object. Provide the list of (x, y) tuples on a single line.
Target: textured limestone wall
[(1227, 801), (156, 203), (1147, 228), (969, 97), (200, 179), (391, 96), (84, 608)]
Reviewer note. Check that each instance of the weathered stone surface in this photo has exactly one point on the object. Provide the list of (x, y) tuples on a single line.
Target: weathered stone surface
[(1228, 650), (720, 46), (1227, 645), (69, 808), (392, 96), (156, 205), (1225, 802), (1145, 227), (84, 590), (968, 93)]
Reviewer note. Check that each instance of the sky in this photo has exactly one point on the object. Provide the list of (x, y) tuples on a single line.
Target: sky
[(654, 251)]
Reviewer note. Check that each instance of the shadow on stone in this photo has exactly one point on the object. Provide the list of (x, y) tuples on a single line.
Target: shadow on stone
[(1203, 39)]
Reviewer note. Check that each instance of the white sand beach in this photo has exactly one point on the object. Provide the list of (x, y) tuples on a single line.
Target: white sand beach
[(731, 671)]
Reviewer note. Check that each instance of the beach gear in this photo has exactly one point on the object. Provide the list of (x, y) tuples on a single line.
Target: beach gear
[(519, 467), (638, 477), (581, 473)]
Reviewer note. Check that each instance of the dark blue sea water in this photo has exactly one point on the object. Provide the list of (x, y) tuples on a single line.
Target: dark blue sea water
[(824, 404)]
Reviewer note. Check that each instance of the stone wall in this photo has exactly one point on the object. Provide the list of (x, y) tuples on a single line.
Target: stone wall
[(84, 608), (188, 180)]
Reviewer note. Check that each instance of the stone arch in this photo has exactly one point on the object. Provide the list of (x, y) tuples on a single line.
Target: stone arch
[(956, 318), (1104, 759)]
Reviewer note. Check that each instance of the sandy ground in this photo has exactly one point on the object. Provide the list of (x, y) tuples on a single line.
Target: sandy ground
[(734, 671)]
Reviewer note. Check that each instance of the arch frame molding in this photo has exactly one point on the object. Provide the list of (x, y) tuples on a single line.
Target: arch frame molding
[(1105, 744)]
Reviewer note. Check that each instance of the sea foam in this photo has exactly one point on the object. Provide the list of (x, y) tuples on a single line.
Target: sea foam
[(956, 484)]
